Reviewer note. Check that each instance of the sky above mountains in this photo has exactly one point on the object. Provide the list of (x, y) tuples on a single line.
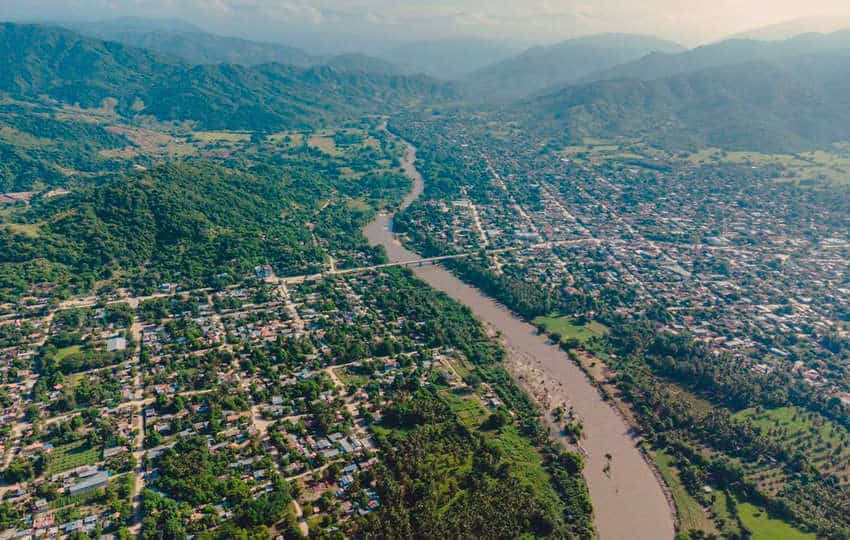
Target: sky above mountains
[(368, 24)]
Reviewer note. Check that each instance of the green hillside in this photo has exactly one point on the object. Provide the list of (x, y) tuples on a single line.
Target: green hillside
[(757, 106), (73, 69)]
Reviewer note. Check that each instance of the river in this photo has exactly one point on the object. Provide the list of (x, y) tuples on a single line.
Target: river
[(628, 500)]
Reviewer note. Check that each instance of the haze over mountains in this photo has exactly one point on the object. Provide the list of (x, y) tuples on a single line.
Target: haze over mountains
[(821, 24), (732, 51), (541, 67), (444, 59), (192, 44), (772, 95)]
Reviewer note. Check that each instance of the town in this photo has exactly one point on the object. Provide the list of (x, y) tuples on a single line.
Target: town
[(271, 383)]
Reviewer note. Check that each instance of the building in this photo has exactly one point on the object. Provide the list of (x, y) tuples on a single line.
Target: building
[(116, 344), (96, 481)]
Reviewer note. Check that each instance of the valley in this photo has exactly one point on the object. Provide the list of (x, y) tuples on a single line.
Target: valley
[(596, 288)]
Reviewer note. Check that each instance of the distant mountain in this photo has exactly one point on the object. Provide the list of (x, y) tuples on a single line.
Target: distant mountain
[(38, 60), (449, 59), (541, 67), (791, 105), (135, 24), (805, 25), (191, 44), (363, 63), (733, 51)]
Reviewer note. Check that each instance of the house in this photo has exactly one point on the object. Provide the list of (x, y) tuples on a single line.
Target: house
[(116, 344), (264, 271)]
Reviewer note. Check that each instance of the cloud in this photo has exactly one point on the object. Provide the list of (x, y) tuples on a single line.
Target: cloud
[(538, 20)]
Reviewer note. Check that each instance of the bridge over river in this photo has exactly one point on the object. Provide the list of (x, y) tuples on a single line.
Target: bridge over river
[(629, 501)]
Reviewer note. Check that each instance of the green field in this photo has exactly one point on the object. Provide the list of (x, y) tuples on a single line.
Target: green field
[(65, 352), (823, 166), (566, 328), (764, 527), (63, 458), (30, 230), (349, 378), (469, 410)]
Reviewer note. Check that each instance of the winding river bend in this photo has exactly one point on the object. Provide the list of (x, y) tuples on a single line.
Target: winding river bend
[(628, 500)]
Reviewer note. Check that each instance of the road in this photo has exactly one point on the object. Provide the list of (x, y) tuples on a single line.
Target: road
[(629, 503)]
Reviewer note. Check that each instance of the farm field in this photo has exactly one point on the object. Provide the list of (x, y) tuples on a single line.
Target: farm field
[(72, 455), (827, 444), (222, 136), (832, 167)]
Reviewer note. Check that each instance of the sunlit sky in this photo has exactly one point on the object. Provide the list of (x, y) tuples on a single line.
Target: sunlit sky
[(365, 21)]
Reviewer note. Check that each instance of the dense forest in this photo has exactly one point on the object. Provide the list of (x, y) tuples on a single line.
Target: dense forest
[(197, 224), (68, 67)]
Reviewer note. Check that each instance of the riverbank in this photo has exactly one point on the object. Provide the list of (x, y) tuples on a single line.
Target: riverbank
[(628, 501)]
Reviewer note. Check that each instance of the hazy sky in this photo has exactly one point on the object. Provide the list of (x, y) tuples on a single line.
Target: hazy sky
[(369, 21)]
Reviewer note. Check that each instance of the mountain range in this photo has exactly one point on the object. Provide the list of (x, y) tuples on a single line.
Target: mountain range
[(66, 66), (783, 95), (796, 104), (733, 51), (541, 67)]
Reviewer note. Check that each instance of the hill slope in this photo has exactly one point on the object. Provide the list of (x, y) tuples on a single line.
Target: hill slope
[(801, 103), (542, 67), (191, 44), (795, 27), (732, 51), (38, 60)]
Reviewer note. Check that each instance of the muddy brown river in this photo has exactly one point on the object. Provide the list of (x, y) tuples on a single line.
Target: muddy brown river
[(628, 499)]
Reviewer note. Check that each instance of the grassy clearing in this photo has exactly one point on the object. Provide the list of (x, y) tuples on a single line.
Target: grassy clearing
[(291, 138), (30, 230), (72, 455), (724, 517), (468, 409), (567, 328), (349, 378), (325, 144), (358, 205), (65, 352), (691, 514), (20, 138), (763, 527), (221, 136)]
